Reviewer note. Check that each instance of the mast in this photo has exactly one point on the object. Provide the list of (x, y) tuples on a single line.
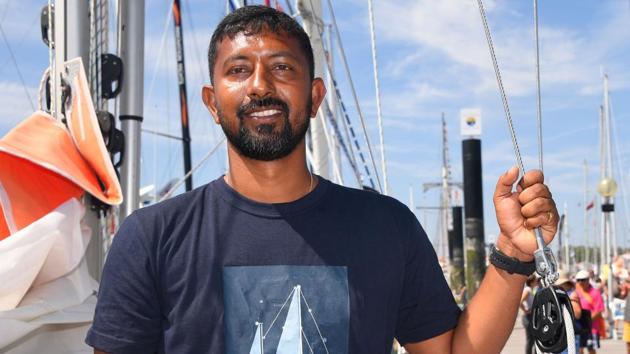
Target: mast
[(567, 261), (602, 175), (77, 34), (607, 189), (59, 57), (130, 100), (585, 206), (183, 96), (446, 191), (311, 11)]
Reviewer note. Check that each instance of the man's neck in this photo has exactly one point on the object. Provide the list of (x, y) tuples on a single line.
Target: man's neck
[(278, 181)]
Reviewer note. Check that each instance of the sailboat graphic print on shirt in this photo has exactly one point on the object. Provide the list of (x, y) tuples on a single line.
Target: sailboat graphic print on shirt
[(286, 309)]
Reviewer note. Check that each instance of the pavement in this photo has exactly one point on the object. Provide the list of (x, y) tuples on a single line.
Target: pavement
[(516, 343)]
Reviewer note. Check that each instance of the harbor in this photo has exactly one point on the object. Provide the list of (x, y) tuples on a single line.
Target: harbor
[(151, 143)]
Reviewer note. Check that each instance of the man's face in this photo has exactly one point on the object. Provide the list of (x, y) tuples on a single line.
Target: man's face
[(262, 95)]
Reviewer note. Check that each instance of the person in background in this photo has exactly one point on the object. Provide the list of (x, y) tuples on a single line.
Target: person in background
[(565, 283), (527, 300), (626, 314), (620, 274), (591, 299)]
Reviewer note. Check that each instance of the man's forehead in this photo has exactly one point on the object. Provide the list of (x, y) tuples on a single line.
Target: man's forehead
[(261, 41)]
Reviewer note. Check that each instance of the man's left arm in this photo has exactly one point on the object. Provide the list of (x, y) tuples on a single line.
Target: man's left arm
[(488, 320)]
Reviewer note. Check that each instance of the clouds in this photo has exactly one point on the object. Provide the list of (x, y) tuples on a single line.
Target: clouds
[(449, 33)]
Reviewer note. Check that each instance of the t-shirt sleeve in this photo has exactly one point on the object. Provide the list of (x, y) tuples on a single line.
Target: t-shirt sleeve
[(427, 306), (127, 317)]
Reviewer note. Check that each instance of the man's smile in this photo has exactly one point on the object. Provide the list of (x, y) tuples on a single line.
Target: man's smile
[(264, 114)]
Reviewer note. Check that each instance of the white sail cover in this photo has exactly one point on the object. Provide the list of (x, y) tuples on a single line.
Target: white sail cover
[(46, 293)]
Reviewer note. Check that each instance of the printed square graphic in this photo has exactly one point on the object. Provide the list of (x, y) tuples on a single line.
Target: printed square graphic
[(286, 309)]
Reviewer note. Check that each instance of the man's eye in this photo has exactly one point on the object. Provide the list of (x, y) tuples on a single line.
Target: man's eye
[(236, 70), (282, 67)]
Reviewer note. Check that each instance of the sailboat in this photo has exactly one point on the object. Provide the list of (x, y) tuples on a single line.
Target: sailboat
[(293, 336)]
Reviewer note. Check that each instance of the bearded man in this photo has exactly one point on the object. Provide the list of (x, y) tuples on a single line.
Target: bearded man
[(271, 258)]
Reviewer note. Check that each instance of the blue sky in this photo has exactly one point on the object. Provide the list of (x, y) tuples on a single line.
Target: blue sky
[(433, 58)]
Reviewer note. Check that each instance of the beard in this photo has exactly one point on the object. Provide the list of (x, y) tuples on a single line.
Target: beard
[(263, 142)]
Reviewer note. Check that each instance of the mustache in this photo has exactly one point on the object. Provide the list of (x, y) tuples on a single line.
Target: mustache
[(265, 102)]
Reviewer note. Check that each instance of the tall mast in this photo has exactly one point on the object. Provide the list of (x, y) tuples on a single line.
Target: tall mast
[(311, 11), (607, 189), (59, 57), (602, 175), (183, 96), (77, 34), (566, 235), (130, 100), (585, 206), (446, 191)]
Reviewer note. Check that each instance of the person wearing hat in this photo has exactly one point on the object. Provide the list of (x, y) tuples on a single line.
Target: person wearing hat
[(591, 300), (565, 283)]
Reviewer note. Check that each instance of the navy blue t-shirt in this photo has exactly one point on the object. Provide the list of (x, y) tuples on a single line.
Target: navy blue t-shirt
[(338, 271)]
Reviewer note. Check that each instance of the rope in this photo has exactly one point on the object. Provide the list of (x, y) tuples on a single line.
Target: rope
[(379, 114), (195, 168), (159, 56), (17, 68)]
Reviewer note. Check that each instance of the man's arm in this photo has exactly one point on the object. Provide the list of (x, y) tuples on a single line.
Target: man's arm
[(487, 322)]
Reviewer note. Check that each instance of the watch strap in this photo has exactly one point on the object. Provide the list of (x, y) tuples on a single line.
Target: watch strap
[(511, 264)]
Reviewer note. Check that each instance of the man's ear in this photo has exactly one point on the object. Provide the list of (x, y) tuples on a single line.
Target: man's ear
[(318, 92), (207, 94)]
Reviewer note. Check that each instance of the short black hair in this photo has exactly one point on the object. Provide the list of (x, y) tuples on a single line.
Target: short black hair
[(252, 20)]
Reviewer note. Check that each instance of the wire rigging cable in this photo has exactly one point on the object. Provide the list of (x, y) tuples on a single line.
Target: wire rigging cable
[(538, 96), (552, 331), (344, 60), (17, 68), (379, 114), (347, 121)]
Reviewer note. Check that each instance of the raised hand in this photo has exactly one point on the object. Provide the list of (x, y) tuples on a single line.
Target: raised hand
[(520, 212)]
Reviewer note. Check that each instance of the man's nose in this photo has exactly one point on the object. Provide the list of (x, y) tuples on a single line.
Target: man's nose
[(262, 85)]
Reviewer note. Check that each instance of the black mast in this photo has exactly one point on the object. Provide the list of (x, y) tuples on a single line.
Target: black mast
[(183, 97)]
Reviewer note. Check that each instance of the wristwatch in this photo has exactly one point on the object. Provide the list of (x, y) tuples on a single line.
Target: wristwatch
[(511, 264)]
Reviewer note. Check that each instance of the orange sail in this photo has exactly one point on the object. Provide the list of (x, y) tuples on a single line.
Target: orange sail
[(43, 162)]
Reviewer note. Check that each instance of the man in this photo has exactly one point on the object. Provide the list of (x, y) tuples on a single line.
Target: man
[(271, 258), (591, 300)]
